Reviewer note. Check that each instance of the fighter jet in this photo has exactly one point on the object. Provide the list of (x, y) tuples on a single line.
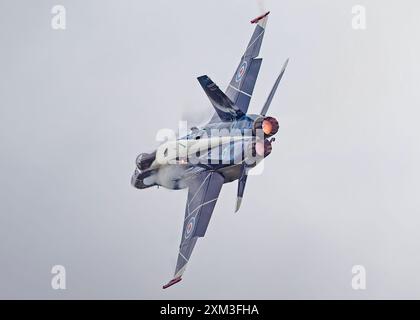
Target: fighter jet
[(222, 151)]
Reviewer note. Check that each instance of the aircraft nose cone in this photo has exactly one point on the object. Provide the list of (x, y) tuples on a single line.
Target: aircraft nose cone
[(144, 160)]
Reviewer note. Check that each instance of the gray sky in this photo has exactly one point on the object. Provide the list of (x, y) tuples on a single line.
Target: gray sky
[(340, 188)]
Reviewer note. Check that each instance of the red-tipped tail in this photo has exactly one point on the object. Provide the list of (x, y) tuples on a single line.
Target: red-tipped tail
[(260, 17), (172, 282)]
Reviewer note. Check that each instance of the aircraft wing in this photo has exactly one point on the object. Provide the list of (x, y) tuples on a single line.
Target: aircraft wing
[(242, 84), (203, 192)]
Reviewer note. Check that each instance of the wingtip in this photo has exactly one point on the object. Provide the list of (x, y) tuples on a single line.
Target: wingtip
[(260, 17), (172, 282)]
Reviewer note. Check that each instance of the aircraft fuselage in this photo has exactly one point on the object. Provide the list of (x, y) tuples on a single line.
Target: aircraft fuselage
[(218, 146)]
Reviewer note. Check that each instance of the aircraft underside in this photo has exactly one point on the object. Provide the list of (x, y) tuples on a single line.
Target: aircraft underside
[(224, 150)]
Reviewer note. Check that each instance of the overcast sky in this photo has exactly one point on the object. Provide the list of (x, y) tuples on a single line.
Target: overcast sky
[(339, 189)]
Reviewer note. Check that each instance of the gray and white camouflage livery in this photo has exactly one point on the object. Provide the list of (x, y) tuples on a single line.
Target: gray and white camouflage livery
[(222, 151)]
